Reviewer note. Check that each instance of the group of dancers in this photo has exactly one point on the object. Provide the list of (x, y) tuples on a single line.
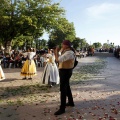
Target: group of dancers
[(65, 57), (50, 74)]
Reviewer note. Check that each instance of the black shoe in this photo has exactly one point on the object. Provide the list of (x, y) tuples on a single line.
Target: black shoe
[(24, 78), (30, 78), (69, 104), (59, 112)]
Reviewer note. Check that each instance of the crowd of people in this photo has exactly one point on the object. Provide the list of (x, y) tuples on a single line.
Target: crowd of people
[(117, 52), (20, 59), (16, 59)]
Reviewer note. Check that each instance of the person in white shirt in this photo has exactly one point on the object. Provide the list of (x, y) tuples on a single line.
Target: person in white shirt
[(29, 67), (50, 74), (66, 64)]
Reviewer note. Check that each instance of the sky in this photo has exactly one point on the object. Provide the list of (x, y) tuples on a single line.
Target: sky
[(94, 20)]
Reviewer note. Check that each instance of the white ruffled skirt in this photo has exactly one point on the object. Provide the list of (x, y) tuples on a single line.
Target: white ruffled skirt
[(2, 75), (50, 74)]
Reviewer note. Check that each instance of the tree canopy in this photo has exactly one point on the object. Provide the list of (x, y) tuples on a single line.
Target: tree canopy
[(27, 18), (97, 45), (64, 30)]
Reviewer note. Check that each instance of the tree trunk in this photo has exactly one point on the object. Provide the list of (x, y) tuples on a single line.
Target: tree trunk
[(8, 46)]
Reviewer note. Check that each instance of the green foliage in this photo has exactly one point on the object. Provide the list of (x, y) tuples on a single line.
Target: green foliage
[(97, 45), (51, 44), (79, 43), (22, 41), (27, 18), (106, 46), (83, 43), (64, 30), (42, 44), (76, 42)]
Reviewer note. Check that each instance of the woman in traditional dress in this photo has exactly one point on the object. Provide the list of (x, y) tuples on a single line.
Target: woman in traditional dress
[(50, 74), (29, 67), (2, 76)]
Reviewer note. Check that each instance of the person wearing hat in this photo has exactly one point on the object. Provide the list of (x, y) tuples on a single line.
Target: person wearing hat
[(65, 57)]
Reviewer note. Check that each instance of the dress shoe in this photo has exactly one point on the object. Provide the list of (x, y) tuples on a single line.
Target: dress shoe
[(59, 112), (24, 78), (69, 104)]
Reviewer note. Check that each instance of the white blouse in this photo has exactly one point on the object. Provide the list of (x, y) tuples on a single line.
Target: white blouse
[(31, 55), (68, 55)]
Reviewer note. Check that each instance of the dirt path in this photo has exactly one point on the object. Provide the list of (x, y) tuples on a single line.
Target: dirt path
[(96, 90)]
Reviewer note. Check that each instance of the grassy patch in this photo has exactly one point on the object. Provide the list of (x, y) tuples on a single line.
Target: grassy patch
[(22, 94), (42, 93), (87, 71)]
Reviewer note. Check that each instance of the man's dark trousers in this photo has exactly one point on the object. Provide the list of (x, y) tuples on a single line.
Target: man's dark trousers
[(65, 89)]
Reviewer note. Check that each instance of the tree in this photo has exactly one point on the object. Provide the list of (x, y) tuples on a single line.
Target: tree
[(27, 18), (64, 30), (42, 43), (76, 42), (106, 46), (111, 45), (83, 43), (79, 43), (22, 42), (97, 45), (51, 44)]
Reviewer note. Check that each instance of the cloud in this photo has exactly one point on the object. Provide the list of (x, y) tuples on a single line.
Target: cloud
[(100, 11)]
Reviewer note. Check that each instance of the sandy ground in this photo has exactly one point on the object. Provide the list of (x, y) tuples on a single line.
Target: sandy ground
[(96, 98)]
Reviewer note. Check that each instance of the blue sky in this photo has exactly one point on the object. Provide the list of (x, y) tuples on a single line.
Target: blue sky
[(94, 20)]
